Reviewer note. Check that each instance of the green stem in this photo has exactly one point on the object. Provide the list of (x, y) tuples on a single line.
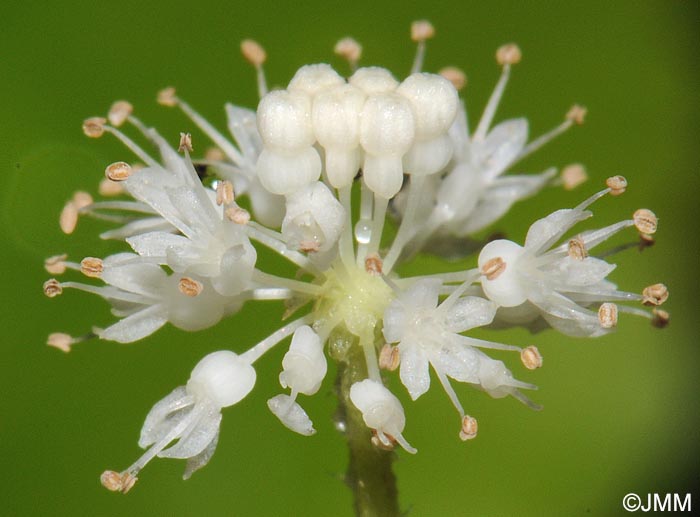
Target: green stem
[(369, 474)]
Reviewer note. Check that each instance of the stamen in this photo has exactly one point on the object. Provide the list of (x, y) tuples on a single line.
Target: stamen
[(373, 264), (495, 99), (577, 249), (493, 268), (508, 54), (607, 315), (117, 482), (56, 265), (91, 267), (52, 288), (470, 427), (645, 221), (185, 143), (61, 341), (655, 295), (573, 175), (109, 188), (68, 219), (389, 357), (118, 171), (576, 114), (94, 127), (350, 50), (119, 112), (238, 215), (224, 193), (531, 358), (456, 76), (616, 184), (167, 97), (660, 318), (421, 30), (255, 54), (189, 286)]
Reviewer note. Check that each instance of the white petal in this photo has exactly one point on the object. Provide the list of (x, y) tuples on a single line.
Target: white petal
[(200, 460), (196, 437), (469, 312), (137, 326), (242, 125), (414, 373), (459, 361), (291, 414), (545, 232), (503, 144), (152, 428), (135, 277), (394, 321), (155, 244)]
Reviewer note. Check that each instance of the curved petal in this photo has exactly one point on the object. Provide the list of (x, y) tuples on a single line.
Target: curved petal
[(137, 326), (197, 436), (177, 399), (469, 312), (415, 373), (291, 414)]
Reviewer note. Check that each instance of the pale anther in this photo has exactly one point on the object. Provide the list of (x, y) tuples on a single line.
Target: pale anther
[(373, 264), (82, 199), (508, 54), (389, 357), (493, 268), (576, 114), (616, 184), (309, 246), (118, 171), (185, 142), (94, 127), (116, 482), (119, 112), (470, 427), (52, 288), (167, 97), (109, 188), (224, 193), (68, 218), (655, 294), (56, 265), (92, 267), (573, 175), (456, 76), (237, 215), (422, 30), (531, 358), (348, 49), (661, 318), (645, 221), (214, 154), (253, 52), (60, 340), (189, 286), (380, 444), (577, 249), (607, 315)]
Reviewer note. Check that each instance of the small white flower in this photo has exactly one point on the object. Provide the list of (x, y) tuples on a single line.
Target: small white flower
[(191, 415)]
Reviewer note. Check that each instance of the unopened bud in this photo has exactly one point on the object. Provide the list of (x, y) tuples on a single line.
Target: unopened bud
[(119, 112), (422, 30), (253, 52), (456, 76), (509, 54), (52, 288), (531, 358), (389, 357), (56, 265), (373, 264), (607, 315), (91, 267), (94, 127), (655, 294), (573, 175), (118, 171), (185, 142), (470, 427), (190, 287), (577, 249), (645, 221), (224, 193), (167, 97), (616, 184), (493, 268), (576, 114)]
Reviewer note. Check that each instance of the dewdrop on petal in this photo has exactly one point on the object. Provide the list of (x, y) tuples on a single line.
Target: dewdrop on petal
[(381, 411), (387, 130)]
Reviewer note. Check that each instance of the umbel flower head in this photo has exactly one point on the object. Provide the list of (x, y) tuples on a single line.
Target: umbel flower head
[(291, 177)]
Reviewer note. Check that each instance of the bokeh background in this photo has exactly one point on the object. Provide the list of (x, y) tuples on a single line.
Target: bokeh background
[(621, 412)]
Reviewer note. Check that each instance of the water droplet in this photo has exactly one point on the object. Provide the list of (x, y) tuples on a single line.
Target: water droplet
[(363, 231)]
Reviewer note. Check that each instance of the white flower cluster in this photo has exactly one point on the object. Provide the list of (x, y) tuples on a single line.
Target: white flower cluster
[(297, 166)]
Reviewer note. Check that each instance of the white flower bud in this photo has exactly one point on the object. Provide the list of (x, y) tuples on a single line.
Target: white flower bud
[(500, 280), (381, 411), (314, 218), (336, 120), (434, 101), (304, 364), (283, 173), (284, 121), (311, 79), (373, 79), (387, 130), (222, 377)]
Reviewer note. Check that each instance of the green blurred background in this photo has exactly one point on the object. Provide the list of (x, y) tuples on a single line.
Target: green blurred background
[(621, 412)]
